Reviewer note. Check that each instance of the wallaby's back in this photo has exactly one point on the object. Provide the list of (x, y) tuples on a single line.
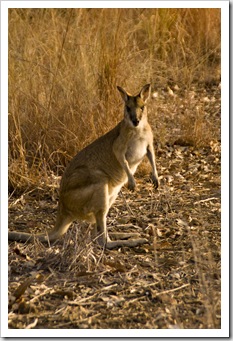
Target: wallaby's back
[(96, 161)]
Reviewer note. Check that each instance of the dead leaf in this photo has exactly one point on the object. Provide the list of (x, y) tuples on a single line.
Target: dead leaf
[(39, 278), (22, 288), (20, 253), (181, 223), (164, 245), (116, 264), (64, 293)]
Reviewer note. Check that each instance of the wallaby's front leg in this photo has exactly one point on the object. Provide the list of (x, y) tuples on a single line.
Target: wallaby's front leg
[(131, 180), (151, 157), (120, 155)]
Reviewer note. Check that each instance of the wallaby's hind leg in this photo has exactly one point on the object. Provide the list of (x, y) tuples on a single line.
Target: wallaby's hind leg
[(104, 240), (63, 222), (102, 236), (101, 228)]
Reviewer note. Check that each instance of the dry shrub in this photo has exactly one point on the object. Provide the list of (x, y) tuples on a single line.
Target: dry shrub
[(64, 65)]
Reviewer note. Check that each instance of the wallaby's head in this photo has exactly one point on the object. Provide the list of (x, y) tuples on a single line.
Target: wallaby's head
[(135, 106)]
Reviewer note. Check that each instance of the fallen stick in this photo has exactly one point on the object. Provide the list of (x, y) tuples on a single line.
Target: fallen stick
[(204, 200)]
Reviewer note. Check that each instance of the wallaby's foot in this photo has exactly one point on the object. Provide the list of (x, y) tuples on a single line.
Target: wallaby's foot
[(124, 235), (131, 183), (112, 244), (104, 240)]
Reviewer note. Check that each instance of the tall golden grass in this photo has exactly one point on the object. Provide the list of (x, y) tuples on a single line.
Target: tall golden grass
[(64, 65)]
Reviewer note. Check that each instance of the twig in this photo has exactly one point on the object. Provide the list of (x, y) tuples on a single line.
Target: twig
[(172, 290), (43, 294), (91, 297), (61, 325), (204, 200), (82, 300)]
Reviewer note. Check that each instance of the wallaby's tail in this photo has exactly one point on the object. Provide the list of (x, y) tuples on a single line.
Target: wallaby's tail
[(27, 237), (62, 225)]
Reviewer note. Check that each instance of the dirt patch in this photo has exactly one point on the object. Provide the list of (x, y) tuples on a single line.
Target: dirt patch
[(171, 282)]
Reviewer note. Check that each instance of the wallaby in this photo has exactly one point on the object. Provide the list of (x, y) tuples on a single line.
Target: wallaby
[(94, 177)]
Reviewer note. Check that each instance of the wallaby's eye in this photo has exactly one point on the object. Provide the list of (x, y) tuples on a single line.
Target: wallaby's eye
[(142, 108)]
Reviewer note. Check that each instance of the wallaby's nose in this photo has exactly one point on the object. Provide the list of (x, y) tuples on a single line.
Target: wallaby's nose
[(135, 122)]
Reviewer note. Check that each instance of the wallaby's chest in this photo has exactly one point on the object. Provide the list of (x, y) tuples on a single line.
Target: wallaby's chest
[(136, 150)]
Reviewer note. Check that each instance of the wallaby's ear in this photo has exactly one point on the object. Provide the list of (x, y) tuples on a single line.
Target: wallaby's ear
[(145, 92), (123, 93)]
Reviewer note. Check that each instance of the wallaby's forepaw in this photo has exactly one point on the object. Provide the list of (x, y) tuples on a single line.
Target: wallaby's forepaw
[(155, 181), (131, 184)]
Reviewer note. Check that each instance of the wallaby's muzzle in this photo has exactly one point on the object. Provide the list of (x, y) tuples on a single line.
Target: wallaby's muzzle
[(135, 122)]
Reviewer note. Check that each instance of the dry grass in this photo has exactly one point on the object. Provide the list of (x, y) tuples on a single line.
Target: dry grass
[(64, 65)]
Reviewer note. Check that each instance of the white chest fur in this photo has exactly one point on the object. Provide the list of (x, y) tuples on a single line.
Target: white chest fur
[(136, 151)]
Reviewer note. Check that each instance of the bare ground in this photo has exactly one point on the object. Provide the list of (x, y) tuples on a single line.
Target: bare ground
[(171, 282)]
